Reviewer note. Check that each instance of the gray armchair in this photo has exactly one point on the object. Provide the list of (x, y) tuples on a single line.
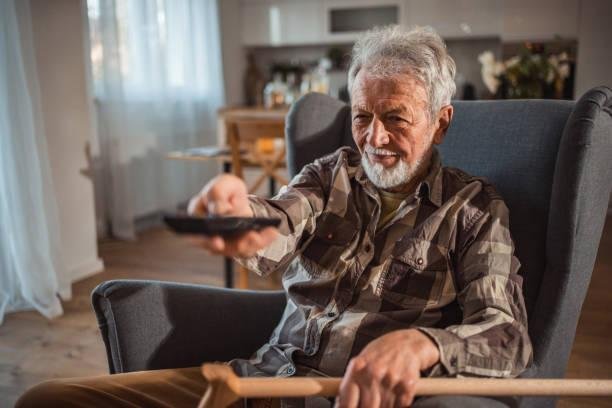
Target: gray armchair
[(550, 160)]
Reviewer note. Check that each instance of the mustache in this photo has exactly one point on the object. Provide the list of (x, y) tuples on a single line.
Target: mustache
[(378, 151)]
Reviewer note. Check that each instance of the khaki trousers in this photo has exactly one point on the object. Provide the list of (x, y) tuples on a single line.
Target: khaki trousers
[(182, 387)]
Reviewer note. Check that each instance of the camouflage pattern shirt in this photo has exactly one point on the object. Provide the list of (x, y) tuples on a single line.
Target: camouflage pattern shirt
[(444, 264)]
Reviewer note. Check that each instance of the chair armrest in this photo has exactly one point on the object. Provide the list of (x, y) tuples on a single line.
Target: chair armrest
[(148, 325)]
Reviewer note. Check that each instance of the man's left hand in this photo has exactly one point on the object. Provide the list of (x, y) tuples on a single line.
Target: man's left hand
[(384, 374)]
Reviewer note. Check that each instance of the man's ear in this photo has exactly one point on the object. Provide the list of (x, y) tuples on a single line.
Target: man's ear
[(443, 122)]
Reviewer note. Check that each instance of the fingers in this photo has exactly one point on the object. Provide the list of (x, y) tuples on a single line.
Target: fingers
[(369, 396), (268, 235), (227, 195), (249, 243), (371, 384), (197, 206), (224, 195), (388, 390), (219, 206), (348, 394), (355, 389), (244, 246), (371, 388), (349, 398), (389, 402), (405, 392)]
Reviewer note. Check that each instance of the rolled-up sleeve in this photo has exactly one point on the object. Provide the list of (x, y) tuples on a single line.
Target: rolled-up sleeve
[(492, 339), (297, 205)]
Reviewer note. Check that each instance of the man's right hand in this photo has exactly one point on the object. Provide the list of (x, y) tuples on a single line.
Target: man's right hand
[(227, 195)]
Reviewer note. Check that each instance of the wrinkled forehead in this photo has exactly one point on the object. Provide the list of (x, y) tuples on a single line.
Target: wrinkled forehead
[(388, 92)]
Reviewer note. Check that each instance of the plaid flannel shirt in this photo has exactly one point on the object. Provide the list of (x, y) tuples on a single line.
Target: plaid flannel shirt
[(444, 264)]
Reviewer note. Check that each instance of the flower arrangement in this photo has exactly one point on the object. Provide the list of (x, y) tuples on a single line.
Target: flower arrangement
[(528, 75)]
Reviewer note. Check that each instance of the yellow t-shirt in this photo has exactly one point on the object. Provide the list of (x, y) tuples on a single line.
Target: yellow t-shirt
[(390, 202)]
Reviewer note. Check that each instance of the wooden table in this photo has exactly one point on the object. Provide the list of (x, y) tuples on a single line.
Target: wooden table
[(224, 158)]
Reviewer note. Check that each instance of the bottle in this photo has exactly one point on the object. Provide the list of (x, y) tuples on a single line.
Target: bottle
[(275, 92), (253, 83), (293, 91), (305, 86), (320, 77)]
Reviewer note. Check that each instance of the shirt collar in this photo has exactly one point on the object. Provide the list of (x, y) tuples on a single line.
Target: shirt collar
[(431, 186)]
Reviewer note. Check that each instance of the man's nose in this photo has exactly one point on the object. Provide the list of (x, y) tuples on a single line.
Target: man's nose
[(377, 134)]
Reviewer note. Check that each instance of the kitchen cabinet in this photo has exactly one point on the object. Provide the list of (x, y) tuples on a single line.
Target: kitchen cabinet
[(457, 19), (280, 23), (540, 20), (511, 20), (345, 20), (301, 22)]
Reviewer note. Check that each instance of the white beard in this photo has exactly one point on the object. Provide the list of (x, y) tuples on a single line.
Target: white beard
[(387, 178)]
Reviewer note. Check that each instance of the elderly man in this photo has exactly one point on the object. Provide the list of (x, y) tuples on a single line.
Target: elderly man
[(394, 266)]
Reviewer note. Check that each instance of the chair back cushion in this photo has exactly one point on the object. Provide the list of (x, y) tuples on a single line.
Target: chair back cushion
[(316, 125), (514, 145)]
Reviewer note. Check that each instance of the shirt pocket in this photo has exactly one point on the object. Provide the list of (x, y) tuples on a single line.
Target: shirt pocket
[(331, 241), (415, 277)]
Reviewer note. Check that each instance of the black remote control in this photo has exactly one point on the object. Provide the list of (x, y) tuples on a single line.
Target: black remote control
[(226, 227)]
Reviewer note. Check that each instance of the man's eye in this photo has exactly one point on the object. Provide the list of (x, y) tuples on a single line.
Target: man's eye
[(359, 118), (396, 118)]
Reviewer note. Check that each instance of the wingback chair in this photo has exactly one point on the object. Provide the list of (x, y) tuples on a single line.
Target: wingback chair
[(550, 160)]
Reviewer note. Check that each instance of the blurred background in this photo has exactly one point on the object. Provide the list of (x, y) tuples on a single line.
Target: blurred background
[(113, 112)]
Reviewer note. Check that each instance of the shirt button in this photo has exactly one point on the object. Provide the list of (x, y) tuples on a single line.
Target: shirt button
[(330, 235), (420, 261), (331, 314)]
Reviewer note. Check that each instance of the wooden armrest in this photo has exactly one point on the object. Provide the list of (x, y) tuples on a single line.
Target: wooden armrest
[(225, 387)]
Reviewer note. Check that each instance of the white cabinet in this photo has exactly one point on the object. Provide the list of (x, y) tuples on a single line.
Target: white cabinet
[(511, 20), (345, 20), (302, 22), (305, 22), (456, 19), (282, 22)]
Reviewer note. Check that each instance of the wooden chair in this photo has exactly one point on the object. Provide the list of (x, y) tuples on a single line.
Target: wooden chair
[(257, 142), (260, 143)]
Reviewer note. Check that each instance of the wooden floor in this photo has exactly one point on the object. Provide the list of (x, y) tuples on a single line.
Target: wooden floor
[(33, 349)]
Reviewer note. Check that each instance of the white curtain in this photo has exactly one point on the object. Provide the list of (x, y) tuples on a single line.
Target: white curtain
[(30, 258), (156, 69)]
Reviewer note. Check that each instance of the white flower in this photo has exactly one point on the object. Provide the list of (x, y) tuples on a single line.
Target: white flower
[(486, 58), (490, 71), (553, 60), (560, 67), (564, 70)]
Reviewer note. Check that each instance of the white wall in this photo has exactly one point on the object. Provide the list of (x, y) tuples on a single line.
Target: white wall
[(234, 63), (594, 65), (58, 39)]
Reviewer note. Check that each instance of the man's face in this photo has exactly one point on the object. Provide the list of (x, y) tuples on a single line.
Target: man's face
[(392, 128)]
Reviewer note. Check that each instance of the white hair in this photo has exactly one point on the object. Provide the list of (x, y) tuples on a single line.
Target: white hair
[(419, 52)]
